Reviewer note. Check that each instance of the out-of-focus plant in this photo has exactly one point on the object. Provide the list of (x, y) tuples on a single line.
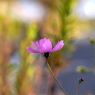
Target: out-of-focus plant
[(59, 25), (8, 29), (16, 71), (18, 78), (84, 69), (92, 41)]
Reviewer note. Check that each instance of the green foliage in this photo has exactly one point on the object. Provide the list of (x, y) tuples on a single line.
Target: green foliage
[(32, 31), (19, 77)]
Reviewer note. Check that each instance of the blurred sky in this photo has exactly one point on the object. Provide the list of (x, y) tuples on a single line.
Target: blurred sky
[(27, 10), (30, 11), (86, 9)]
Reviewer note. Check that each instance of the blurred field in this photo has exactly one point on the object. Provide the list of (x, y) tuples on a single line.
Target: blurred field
[(24, 73)]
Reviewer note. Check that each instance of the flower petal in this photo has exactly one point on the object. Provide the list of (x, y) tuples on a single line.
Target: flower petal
[(49, 44), (34, 45), (58, 46), (37, 44), (45, 45), (31, 50), (41, 42)]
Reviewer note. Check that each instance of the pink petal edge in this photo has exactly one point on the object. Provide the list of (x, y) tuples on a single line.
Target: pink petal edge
[(31, 50), (34, 45), (58, 46)]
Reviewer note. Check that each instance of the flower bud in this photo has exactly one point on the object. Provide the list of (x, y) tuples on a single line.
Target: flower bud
[(81, 80)]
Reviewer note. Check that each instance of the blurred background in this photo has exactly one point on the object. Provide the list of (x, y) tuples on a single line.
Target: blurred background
[(23, 21)]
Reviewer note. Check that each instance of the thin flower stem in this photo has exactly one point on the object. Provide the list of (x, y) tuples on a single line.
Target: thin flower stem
[(55, 78), (77, 90)]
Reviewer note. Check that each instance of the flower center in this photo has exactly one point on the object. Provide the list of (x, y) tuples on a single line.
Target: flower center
[(46, 54)]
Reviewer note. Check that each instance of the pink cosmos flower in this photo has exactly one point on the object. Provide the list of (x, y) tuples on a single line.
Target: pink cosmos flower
[(44, 46)]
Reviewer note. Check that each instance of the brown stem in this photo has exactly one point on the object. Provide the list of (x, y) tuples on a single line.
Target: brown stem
[(55, 78), (77, 90)]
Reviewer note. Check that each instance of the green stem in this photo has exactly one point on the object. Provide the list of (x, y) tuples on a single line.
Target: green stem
[(55, 78), (77, 90)]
